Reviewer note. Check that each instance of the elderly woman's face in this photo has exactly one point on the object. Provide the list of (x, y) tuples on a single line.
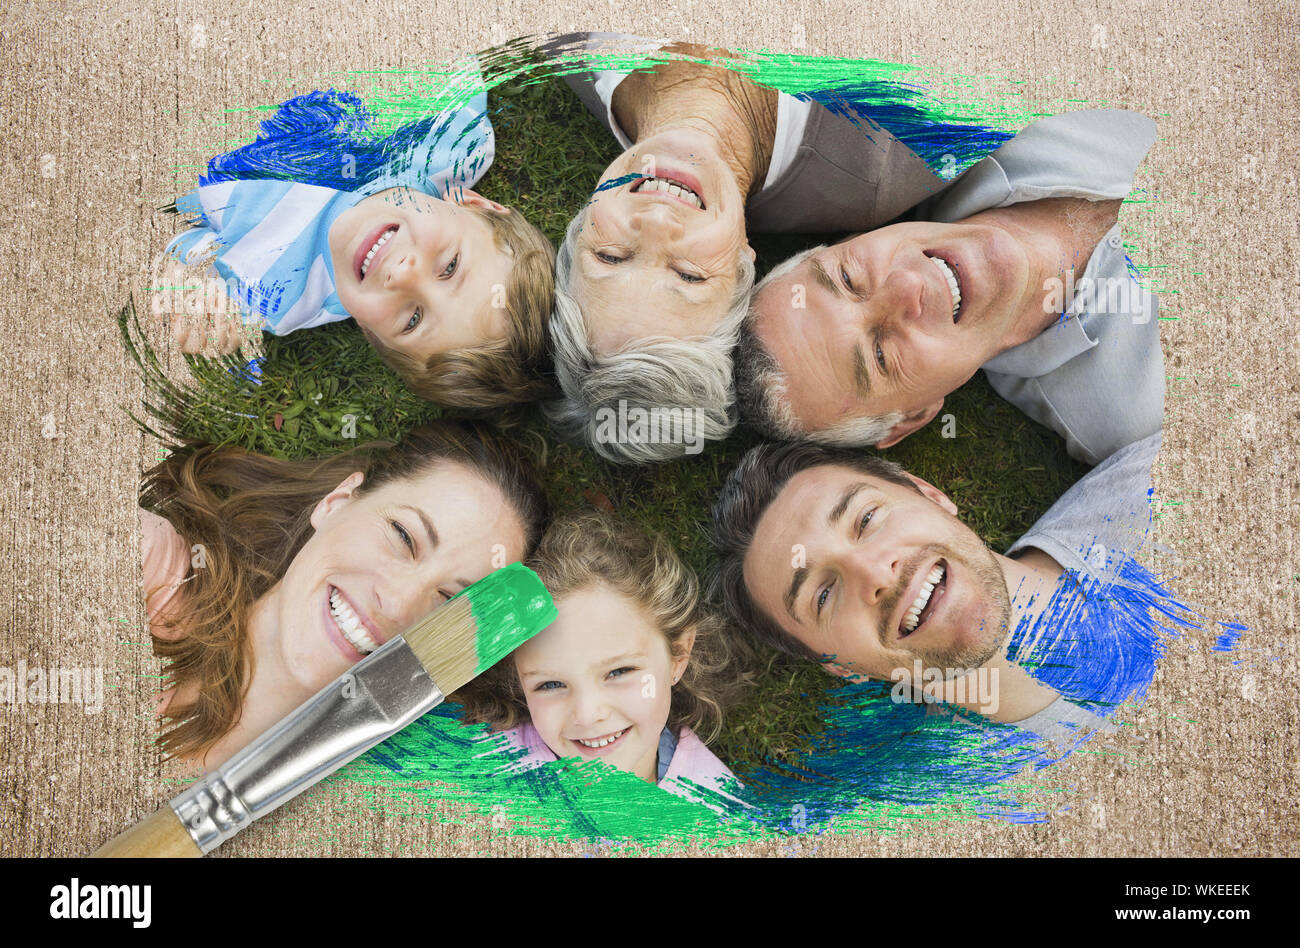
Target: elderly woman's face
[(380, 560), (660, 252)]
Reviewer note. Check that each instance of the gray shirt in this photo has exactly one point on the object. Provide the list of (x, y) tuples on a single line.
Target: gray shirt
[(1097, 524), (1096, 377), (1103, 519), (829, 172)]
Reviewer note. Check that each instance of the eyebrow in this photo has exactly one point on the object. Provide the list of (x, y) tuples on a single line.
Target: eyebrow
[(861, 374), (832, 518), (428, 525), (824, 278), (601, 664)]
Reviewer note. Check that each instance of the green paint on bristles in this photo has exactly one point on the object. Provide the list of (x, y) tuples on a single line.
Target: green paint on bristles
[(509, 606)]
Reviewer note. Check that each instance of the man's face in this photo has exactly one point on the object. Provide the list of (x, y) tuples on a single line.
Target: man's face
[(875, 575), (894, 319), (660, 251)]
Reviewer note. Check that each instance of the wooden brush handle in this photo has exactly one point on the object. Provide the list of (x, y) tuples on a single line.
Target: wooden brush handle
[(160, 835)]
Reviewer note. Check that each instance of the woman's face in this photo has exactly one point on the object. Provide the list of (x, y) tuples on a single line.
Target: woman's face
[(660, 251), (377, 562)]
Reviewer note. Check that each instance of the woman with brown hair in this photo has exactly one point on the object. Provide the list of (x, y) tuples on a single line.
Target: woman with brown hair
[(298, 569)]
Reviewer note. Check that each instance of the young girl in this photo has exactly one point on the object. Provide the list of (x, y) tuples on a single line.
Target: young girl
[(631, 669), (312, 224)]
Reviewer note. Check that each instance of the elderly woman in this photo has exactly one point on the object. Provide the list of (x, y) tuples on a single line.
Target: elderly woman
[(298, 569), (654, 276)]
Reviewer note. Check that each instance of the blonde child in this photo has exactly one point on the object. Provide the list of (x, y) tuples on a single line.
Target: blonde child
[(311, 224), (633, 671)]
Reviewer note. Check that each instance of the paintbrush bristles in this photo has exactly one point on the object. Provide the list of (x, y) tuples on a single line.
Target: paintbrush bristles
[(446, 643), (481, 626)]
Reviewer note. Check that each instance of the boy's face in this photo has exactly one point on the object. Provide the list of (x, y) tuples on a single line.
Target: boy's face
[(420, 274), (598, 681)]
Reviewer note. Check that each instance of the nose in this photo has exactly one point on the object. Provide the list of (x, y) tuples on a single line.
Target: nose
[(656, 219), (403, 272), (897, 300), (403, 598), (589, 707), (878, 568)]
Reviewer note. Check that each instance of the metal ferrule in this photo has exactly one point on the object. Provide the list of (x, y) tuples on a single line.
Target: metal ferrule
[(380, 695)]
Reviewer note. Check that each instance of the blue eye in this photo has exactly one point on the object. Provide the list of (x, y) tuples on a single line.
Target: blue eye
[(866, 519), (848, 283), (880, 356), (413, 321), (608, 257), (822, 597), (620, 672), (549, 686), (450, 268)]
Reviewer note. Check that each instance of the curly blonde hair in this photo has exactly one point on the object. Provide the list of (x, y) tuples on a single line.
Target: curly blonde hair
[(580, 550), (509, 372)]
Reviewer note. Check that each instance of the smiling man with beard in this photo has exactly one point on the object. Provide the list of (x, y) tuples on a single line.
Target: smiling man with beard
[(849, 561)]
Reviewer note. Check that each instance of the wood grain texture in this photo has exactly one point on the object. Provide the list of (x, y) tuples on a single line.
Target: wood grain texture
[(108, 105), (160, 836)]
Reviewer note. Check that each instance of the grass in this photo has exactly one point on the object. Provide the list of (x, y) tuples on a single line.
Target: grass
[(1002, 470)]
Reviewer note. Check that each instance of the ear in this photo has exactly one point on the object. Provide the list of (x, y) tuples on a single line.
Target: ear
[(933, 494), (685, 644), (909, 424), (336, 499), (467, 198), (753, 254)]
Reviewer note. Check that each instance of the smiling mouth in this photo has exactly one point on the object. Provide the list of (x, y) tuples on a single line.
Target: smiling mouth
[(949, 271), (373, 250), (670, 187), (349, 625), (596, 743), (923, 606)]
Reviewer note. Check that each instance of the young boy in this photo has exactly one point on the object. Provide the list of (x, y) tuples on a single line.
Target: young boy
[(452, 289)]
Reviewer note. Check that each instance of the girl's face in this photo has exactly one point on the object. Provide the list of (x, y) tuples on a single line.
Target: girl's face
[(599, 679), (377, 562)]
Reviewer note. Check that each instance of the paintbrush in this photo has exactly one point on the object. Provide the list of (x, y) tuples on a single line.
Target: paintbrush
[(376, 698)]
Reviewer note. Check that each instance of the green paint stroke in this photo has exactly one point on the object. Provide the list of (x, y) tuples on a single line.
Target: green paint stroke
[(442, 761), (509, 606)]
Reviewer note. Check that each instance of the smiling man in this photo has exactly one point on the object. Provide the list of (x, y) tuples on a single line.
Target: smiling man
[(1017, 268), (849, 561)]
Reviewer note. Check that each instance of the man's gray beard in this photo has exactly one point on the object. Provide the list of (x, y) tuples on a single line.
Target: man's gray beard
[(979, 561)]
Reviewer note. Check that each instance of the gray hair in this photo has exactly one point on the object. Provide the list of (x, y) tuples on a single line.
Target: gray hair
[(746, 494), (657, 374), (761, 386)]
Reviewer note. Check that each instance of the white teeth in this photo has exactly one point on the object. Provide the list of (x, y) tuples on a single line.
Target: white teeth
[(602, 741), (951, 277), (350, 625), (673, 188), (913, 614), (383, 239)]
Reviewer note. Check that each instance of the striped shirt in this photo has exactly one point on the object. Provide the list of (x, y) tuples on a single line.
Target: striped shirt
[(271, 238)]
